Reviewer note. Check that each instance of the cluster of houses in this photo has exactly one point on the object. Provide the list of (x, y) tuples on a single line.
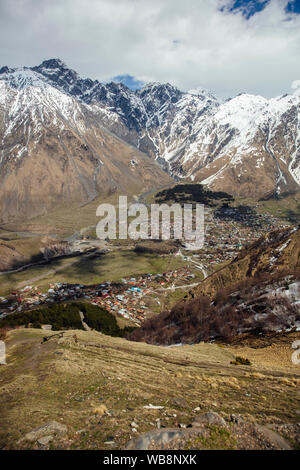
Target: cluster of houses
[(124, 298), (225, 236)]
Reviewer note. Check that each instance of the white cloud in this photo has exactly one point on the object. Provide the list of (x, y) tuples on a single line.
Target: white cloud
[(296, 86), (189, 43)]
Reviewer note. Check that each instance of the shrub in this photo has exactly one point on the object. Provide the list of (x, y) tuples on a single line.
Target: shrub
[(241, 361)]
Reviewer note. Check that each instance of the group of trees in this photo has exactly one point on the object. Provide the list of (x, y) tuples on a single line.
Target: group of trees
[(101, 320), (66, 316), (60, 316), (192, 193)]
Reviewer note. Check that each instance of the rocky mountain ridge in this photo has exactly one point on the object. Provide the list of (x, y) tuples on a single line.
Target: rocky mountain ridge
[(247, 146)]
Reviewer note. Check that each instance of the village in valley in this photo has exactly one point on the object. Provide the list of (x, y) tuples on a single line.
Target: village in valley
[(124, 298), (227, 230)]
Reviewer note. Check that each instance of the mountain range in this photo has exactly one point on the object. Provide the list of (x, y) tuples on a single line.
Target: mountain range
[(66, 140)]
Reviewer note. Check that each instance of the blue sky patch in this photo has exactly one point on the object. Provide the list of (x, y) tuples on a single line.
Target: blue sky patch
[(248, 8), (293, 7), (130, 81)]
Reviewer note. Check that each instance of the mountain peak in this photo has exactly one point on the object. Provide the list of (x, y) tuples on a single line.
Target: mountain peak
[(5, 69), (204, 92), (53, 64), (58, 74), (157, 86), (162, 92)]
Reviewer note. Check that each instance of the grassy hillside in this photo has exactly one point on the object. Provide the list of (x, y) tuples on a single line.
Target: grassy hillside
[(97, 386)]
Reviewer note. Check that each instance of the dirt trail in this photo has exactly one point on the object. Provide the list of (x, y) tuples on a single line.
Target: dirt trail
[(85, 325), (162, 289), (195, 284)]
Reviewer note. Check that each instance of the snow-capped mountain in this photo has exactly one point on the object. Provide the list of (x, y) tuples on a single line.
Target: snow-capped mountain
[(247, 145), (55, 151)]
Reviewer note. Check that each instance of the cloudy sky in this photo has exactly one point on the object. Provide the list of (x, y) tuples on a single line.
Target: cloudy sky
[(227, 46)]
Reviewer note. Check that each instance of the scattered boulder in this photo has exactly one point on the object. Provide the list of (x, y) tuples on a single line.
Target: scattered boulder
[(207, 433), (159, 438), (47, 430), (45, 441), (211, 418), (276, 440)]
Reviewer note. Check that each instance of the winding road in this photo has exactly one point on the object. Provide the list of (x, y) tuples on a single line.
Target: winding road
[(195, 284)]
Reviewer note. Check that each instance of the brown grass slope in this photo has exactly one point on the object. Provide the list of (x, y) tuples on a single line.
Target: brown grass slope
[(69, 380)]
